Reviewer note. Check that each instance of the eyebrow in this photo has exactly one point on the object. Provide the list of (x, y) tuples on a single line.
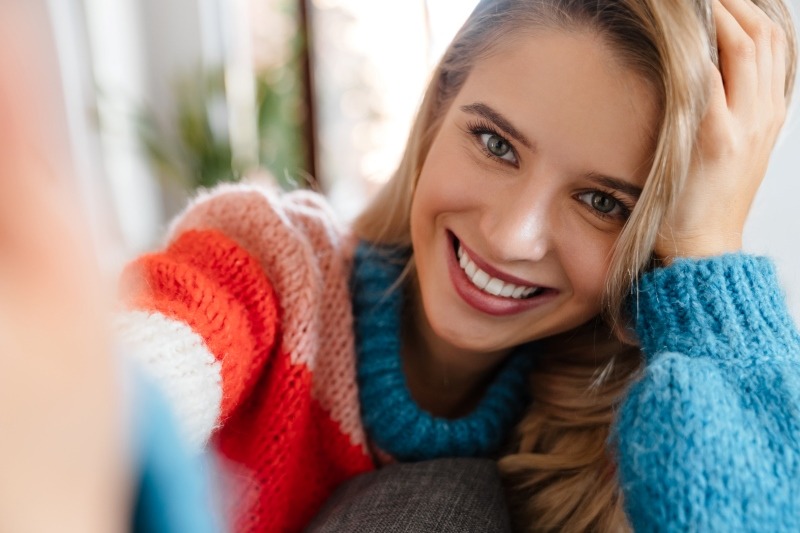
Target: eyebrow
[(615, 183), (483, 110)]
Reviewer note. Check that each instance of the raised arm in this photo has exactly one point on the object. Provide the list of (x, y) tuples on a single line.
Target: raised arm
[(709, 438)]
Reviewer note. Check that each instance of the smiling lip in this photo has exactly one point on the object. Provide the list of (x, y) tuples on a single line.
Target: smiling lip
[(483, 301)]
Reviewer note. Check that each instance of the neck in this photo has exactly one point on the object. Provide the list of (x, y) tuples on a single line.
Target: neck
[(444, 380)]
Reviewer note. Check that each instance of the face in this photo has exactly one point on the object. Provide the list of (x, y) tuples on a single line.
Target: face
[(537, 165)]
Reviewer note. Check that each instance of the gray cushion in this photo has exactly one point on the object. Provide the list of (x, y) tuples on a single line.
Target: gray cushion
[(445, 495)]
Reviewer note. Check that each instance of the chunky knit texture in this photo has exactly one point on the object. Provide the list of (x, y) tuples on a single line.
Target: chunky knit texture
[(246, 315), (709, 438), (246, 319)]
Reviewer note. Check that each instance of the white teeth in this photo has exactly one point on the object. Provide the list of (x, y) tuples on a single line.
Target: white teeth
[(507, 291), (487, 283), (495, 286), (480, 279), (470, 269)]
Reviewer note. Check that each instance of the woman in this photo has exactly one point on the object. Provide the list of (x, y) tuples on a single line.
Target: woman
[(695, 193), (562, 149)]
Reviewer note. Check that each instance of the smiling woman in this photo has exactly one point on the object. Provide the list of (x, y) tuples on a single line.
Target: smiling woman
[(556, 155), (566, 155)]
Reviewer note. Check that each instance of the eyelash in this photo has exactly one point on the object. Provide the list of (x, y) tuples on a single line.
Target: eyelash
[(624, 205), (478, 128)]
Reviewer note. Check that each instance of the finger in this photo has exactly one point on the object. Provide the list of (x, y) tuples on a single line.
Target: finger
[(737, 58), (758, 26), (779, 47), (34, 161), (753, 20), (30, 101), (715, 120)]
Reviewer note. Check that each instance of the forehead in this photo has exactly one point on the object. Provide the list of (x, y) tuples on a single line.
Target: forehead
[(570, 95)]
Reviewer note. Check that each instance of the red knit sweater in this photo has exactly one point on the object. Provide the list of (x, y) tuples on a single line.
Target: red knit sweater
[(245, 318)]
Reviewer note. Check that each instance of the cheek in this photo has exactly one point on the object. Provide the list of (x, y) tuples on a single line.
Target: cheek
[(585, 257), (448, 183)]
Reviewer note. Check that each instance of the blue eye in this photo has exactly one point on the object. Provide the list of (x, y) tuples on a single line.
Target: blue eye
[(604, 204), (497, 146)]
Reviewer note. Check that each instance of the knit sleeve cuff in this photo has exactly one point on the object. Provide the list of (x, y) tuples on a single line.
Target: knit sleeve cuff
[(723, 307)]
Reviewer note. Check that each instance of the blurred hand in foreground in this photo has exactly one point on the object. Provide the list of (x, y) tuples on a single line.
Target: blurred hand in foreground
[(62, 431)]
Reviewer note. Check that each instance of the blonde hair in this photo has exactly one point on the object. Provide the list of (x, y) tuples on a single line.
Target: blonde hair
[(560, 475)]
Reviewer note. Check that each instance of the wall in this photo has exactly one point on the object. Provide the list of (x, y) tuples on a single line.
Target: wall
[(774, 225)]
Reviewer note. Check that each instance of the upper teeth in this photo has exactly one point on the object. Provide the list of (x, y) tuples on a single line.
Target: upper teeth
[(487, 283)]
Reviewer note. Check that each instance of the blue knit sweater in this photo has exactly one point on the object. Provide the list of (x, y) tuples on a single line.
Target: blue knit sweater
[(709, 438)]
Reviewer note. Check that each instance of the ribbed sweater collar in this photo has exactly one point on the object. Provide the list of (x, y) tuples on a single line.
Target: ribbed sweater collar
[(391, 417)]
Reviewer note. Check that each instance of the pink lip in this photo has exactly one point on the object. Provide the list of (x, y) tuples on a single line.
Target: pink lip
[(485, 302)]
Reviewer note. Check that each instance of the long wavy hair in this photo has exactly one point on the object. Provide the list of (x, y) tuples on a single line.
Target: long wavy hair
[(560, 473)]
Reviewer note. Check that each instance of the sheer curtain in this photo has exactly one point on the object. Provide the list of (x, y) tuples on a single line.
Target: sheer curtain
[(120, 58)]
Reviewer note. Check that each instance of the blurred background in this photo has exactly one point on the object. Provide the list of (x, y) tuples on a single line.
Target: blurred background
[(162, 97)]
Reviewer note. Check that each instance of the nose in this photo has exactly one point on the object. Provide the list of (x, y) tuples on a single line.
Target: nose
[(519, 226)]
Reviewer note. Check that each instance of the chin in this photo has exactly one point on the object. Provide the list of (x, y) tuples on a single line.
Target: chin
[(475, 338)]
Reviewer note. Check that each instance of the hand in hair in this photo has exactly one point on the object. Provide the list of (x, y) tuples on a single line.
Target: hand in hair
[(746, 110), (60, 442)]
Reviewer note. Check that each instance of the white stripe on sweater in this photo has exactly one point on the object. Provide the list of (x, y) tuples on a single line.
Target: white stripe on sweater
[(181, 364)]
